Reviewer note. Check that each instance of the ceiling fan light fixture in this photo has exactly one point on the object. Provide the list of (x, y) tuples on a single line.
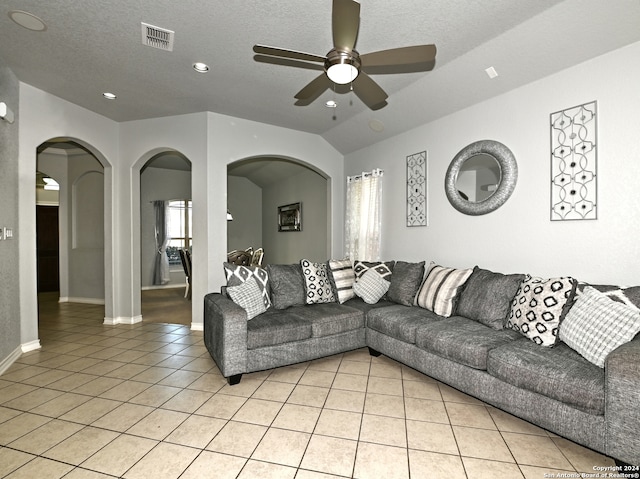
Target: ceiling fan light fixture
[(342, 73)]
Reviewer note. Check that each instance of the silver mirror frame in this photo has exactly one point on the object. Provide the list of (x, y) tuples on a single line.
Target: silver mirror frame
[(509, 177)]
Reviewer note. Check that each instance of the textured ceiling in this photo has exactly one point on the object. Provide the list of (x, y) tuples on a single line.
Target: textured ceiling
[(93, 46)]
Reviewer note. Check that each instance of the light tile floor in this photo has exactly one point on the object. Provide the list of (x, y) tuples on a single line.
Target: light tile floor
[(147, 401)]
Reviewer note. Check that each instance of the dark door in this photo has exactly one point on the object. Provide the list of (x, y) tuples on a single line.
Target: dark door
[(47, 245)]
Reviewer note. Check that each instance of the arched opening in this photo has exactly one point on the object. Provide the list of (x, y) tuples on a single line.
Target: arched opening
[(165, 236), (257, 187), (71, 213)]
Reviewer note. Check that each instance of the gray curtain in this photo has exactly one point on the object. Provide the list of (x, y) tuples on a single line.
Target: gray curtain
[(161, 267)]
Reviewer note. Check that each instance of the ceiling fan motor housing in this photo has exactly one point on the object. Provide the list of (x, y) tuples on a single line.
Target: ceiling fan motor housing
[(342, 66)]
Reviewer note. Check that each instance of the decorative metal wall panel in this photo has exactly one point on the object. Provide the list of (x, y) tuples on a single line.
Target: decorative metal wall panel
[(417, 189), (573, 163)]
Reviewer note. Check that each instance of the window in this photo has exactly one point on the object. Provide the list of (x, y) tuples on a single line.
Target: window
[(179, 228)]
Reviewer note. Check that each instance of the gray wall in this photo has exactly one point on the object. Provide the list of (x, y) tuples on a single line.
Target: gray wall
[(9, 290), (158, 184), (244, 199), (311, 189)]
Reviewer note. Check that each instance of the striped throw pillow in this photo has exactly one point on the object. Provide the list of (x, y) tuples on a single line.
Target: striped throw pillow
[(343, 278), (440, 288)]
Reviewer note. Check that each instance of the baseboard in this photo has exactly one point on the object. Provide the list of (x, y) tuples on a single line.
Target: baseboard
[(122, 320), (163, 286), (30, 346), (197, 326), (72, 299), (9, 360)]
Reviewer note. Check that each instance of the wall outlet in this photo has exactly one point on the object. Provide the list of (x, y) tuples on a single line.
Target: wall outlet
[(8, 233)]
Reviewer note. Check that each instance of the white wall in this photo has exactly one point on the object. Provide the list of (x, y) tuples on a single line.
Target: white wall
[(285, 247), (519, 237), (245, 204)]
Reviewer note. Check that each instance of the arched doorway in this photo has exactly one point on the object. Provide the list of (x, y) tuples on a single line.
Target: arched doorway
[(165, 188), (81, 211), (257, 186)]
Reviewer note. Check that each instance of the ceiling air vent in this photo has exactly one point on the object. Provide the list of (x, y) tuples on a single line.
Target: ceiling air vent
[(157, 37)]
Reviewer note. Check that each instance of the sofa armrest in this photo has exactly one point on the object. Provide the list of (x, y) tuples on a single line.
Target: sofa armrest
[(225, 333), (622, 397)]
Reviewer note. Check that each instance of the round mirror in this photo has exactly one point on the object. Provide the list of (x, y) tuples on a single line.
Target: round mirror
[(481, 177)]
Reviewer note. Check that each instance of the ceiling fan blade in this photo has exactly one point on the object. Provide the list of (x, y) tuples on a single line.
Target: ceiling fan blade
[(369, 92), (312, 90), (400, 60), (287, 62), (345, 23), (284, 53)]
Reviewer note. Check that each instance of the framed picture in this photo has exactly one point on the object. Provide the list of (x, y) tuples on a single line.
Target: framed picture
[(290, 217)]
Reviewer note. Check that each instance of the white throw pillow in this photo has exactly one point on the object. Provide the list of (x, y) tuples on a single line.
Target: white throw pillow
[(596, 325), (371, 287), (248, 296)]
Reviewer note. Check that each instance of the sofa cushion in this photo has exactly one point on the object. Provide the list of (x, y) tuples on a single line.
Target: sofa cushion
[(405, 281), (538, 307), (287, 285), (360, 305), (440, 289), (316, 282), (248, 296), (342, 278), (559, 373), (596, 325), (383, 268), (236, 274), (371, 287), (276, 327), (330, 318), (462, 340), (400, 322), (487, 297)]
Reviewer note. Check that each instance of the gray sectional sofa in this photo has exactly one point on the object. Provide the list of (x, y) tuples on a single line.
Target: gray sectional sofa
[(477, 349)]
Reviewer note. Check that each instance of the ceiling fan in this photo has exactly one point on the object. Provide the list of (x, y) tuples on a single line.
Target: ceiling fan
[(343, 65)]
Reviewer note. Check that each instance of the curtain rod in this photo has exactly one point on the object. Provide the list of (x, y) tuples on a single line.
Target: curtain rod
[(367, 174)]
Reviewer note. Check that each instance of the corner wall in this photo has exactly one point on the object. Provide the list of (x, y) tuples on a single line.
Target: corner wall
[(9, 249), (519, 236)]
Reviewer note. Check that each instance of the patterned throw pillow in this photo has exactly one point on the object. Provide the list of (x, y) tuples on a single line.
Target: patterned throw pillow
[(596, 325), (384, 269), (539, 306), (316, 282), (248, 296), (371, 287), (440, 289), (237, 275), (343, 278)]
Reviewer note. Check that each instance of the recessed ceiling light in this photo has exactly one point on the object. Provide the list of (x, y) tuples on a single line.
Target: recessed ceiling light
[(331, 104), (491, 72), (27, 20), (201, 67), (109, 96), (376, 125)]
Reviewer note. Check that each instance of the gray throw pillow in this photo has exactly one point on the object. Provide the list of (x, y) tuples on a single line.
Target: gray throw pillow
[(405, 281), (487, 297), (287, 285)]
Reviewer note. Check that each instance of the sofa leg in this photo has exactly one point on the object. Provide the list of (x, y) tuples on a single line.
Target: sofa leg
[(374, 353), (235, 379)]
